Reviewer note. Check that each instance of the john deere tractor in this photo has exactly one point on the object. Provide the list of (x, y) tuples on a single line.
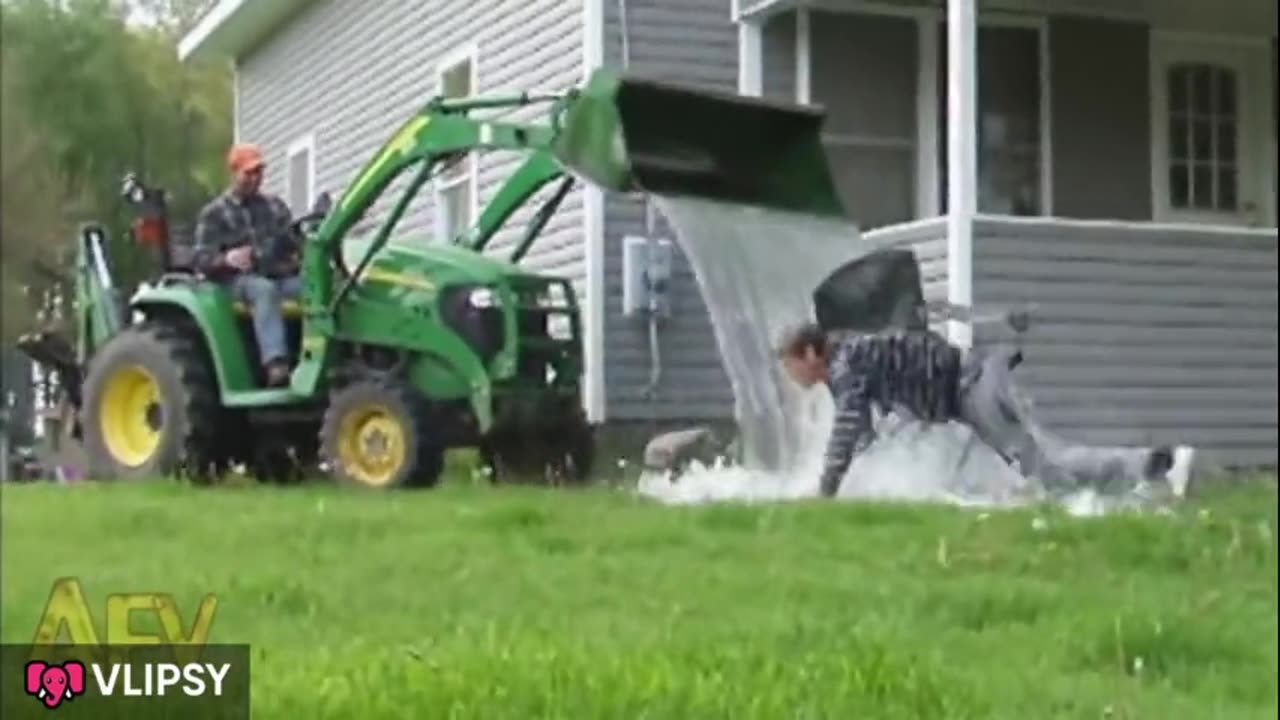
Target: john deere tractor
[(404, 349)]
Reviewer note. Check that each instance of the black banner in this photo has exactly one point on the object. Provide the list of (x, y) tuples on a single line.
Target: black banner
[(142, 682)]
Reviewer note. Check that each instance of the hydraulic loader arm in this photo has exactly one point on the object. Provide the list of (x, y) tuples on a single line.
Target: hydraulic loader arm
[(439, 132)]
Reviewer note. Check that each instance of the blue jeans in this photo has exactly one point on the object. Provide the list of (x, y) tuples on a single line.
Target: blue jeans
[(263, 295)]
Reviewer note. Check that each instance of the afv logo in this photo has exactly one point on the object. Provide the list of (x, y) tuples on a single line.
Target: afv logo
[(67, 610), (55, 683)]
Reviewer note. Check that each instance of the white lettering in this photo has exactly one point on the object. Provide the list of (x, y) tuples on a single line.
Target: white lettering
[(218, 674), (195, 683), (105, 686), (129, 688), (157, 678), (166, 676)]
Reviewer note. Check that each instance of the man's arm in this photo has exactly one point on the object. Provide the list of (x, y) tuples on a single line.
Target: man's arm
[(208, 245), (852, 432), (283, 250)]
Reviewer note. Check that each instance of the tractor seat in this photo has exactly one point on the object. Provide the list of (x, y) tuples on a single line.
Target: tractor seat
[(291, 309)]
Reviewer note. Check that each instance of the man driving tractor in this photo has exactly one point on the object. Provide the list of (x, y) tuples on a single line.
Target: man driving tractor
[(243, 239)]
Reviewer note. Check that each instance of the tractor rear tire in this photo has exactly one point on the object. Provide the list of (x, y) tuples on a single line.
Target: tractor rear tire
[(150, 407), (378, 434)]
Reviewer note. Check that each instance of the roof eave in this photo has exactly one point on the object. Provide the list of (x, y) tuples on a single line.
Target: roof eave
[(232, 27)]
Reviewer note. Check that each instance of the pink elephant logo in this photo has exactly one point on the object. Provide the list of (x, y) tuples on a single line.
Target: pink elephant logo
[(55, 683)]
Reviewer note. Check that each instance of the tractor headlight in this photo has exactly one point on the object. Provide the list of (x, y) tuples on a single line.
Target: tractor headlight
[(559, 327), (554, 296), (482, 298)]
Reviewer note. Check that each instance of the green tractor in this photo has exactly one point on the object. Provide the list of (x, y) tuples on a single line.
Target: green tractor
[(402, 350)]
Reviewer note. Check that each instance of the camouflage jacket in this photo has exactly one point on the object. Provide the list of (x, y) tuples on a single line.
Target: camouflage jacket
[(913, 372), (230, 221)]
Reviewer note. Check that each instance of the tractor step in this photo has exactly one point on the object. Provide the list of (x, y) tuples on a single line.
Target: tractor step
[(263, 398)]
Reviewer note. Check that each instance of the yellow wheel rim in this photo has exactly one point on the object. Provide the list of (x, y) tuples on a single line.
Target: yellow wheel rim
[(132, 415), (371, 445)]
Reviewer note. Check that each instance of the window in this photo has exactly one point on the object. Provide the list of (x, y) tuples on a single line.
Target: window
[(300, 175), (1204, 125), (455, 185), (1204, 154), (1010, 95), (863, 73)]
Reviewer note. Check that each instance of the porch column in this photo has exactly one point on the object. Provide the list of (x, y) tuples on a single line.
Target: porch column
[(750, 57), (962, 159), (804, 57)]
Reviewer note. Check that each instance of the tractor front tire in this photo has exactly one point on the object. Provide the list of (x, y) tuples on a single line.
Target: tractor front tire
[(150, 406), (377, 434), (564, 456)]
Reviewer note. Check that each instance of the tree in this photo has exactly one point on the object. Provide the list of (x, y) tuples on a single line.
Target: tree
[(37, 209), (93, 98), (174, 17)]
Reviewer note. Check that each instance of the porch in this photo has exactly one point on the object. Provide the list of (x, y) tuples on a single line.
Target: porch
[(1113, 163)]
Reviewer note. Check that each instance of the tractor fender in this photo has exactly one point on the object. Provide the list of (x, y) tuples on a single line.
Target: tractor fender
[(210, 309)]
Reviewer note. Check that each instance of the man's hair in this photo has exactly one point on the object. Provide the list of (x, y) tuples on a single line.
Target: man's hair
[(795, 341)]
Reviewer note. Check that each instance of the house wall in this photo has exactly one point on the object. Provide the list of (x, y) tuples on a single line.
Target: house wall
[(351, 72), (693, 42), (1142, 333)]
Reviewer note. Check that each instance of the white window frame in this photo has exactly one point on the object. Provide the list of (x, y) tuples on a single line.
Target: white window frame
[(307, 144), (469, 53), (1255, 169), (928, 200)]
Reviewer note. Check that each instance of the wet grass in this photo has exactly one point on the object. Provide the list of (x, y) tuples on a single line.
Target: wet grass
[(472, 602)]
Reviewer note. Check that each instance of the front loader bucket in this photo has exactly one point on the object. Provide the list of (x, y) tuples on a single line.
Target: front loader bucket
[(637, 135)]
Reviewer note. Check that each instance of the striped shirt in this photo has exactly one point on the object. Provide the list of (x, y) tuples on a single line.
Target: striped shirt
[(916, 372)]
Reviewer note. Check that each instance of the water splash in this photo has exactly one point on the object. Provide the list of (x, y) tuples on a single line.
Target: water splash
[(756, 269)]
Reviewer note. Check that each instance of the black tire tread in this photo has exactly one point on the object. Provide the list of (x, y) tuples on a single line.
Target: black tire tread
[(177, 345)]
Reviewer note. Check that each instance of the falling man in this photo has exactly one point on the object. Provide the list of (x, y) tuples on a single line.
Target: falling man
[(873, 349)]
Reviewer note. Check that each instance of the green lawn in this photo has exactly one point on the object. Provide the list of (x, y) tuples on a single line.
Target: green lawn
[(473, 602)]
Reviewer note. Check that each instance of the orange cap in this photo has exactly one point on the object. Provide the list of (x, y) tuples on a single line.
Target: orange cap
[(244, 156)]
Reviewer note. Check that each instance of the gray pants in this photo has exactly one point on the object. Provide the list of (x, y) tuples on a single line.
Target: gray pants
[(995, 408), (263, 295)]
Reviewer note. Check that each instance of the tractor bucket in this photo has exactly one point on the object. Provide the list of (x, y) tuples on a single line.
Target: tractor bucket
[(636, 135)]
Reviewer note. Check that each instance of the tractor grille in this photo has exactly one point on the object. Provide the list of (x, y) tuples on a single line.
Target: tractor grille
[(546, 334)]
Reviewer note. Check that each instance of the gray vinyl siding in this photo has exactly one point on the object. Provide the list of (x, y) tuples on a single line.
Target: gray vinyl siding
[(1143, 334), (351, 72), (692, 42)]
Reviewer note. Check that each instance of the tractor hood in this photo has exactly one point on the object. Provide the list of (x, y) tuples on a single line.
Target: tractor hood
[(419, 263)]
